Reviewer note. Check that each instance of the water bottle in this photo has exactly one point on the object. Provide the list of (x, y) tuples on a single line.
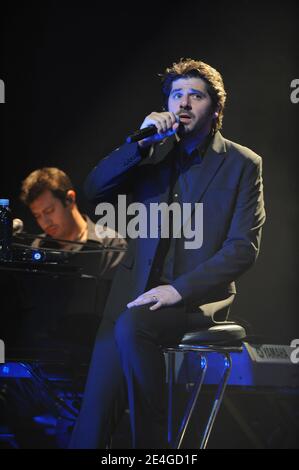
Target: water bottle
[(5, 229)]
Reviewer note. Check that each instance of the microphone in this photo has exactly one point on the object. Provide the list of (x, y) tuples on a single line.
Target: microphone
[(17, 226), (144, 133)]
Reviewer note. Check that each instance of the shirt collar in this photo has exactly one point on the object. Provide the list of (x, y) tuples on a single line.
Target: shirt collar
[(201, 148)]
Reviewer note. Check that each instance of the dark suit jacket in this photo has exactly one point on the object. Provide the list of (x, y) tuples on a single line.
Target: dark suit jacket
[(231, 190)]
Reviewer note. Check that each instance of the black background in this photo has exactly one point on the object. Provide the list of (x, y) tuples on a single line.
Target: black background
[(79, 78)]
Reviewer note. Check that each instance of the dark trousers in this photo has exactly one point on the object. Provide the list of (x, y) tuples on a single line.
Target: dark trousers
[(128, 368)]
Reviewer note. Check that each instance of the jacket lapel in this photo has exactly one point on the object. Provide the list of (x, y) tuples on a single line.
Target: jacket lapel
[(210, 164), (161, 158), (212, 160)]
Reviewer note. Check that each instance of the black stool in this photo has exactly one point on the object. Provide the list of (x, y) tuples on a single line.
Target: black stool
[(223, 338)]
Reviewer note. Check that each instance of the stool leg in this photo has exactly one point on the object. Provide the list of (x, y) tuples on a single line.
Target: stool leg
[(171, 369), (192, 402), (218, 399)]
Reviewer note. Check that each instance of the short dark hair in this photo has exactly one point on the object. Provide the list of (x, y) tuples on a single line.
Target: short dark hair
[(38, 181), (196, 68)]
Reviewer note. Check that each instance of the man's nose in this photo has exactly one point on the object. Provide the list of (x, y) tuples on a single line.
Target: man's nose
[(47, 221), (185, 102)]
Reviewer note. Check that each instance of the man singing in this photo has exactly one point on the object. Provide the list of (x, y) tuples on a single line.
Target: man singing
[(160, 283)]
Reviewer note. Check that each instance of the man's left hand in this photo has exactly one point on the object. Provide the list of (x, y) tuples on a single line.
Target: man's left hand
[(161, 296)]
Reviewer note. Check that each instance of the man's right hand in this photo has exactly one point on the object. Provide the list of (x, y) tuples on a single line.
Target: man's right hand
[(166, 124)]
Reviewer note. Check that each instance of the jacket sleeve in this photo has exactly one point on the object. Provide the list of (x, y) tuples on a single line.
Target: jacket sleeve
[(113, 174), (241, 246)]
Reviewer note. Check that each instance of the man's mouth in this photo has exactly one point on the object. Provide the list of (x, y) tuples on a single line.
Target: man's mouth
[(51, 230), (184, 117)]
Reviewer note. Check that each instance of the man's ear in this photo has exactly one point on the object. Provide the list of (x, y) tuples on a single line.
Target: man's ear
[(165, 106), (216, 113), (70, 198)]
